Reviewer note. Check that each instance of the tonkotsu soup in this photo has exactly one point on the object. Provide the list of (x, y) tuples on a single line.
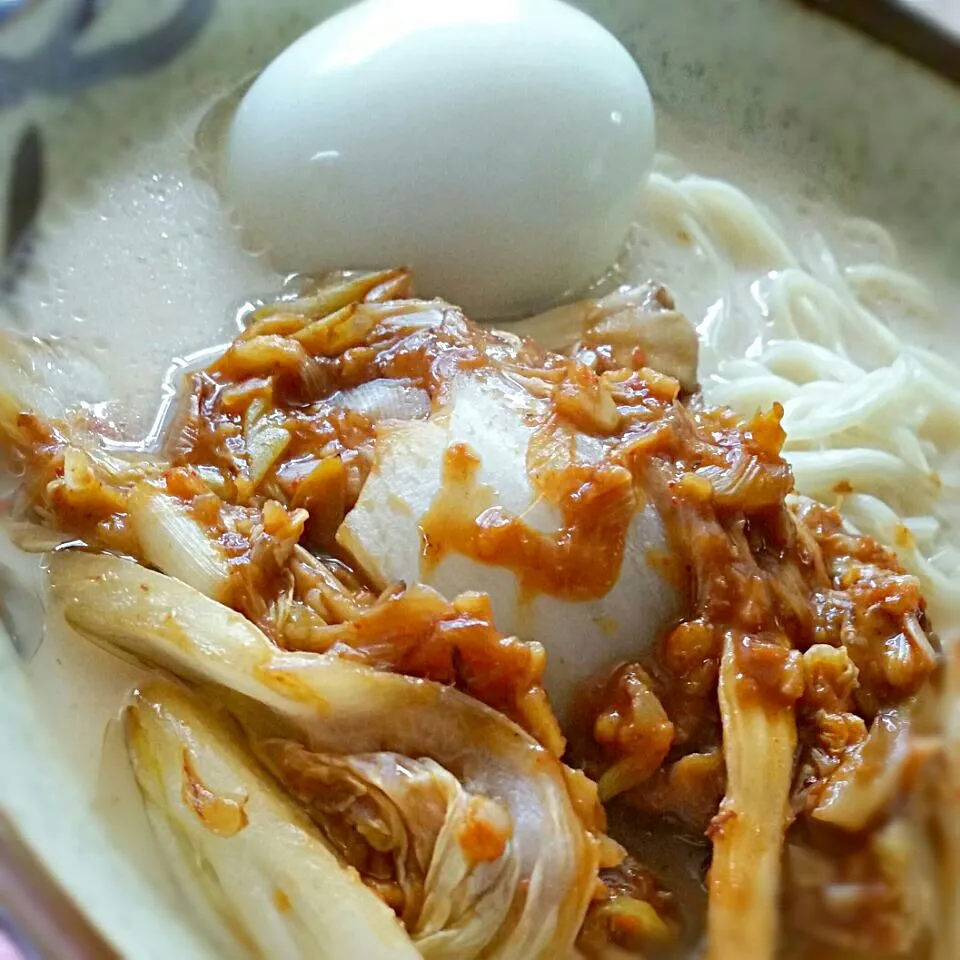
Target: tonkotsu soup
[(505, 640)]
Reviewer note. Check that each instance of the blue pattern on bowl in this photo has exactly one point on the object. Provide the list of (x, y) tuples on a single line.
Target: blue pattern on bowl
[(10, 8), (750, 74), (24, 195), (55, 67)]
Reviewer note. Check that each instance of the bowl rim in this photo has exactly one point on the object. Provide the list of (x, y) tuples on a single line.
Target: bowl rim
[(52, 921)]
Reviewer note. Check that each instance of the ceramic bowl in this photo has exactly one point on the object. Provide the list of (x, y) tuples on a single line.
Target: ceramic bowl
[(82, 80)]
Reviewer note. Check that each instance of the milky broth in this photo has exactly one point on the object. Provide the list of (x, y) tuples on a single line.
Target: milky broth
[(148, 269)]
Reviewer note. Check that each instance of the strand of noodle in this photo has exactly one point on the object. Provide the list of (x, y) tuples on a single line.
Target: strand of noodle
[(908, 445), (941, 398), (874, 233), (667, 201), (876, 281), (924, 529), (665, 197), (826, 407), (823, 271), (733, 220), (728, 371), (805, 362), (818, 258), (751, 393), (946, 560), (870, 330), (938, 366), (820, 472), (825, 311), (670, 201), (801, 308)]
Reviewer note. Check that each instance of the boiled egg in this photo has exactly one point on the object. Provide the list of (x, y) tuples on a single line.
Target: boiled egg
[(497, 147)]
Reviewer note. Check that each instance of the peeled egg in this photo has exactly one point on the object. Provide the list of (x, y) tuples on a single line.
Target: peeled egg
[(495, 146)]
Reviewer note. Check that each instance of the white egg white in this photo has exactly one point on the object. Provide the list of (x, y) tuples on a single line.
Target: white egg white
[(497, 147)]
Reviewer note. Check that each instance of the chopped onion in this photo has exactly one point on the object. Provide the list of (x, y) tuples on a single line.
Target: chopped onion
[(384, 400), (174, 542)]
